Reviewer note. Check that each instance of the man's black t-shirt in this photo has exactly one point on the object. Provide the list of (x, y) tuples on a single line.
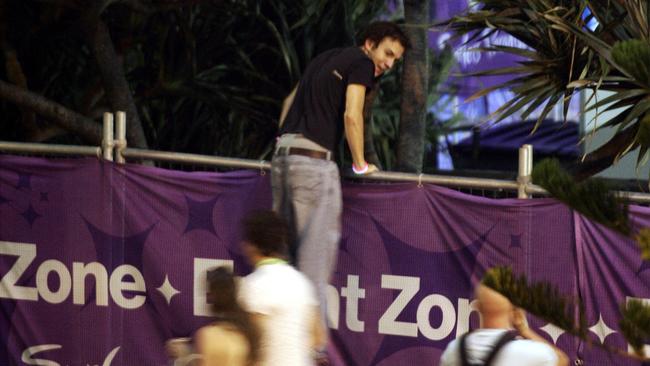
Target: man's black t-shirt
[(317, 109)]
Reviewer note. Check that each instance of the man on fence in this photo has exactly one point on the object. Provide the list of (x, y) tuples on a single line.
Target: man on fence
[(327, 102)]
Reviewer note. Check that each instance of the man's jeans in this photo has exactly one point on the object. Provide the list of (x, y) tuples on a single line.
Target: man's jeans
[(307, 191)]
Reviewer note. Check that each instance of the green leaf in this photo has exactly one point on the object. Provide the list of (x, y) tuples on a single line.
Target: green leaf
[(633, 56), (533, 106), (579, 83), (592, 197), (547, 109), (627, 94), (632, 114), (635, 324), (541, 299), (643, 135)]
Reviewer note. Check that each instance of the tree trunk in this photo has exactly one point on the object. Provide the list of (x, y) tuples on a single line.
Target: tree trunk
[(70, 120), (114, 81), (368, 140), (410, 144), (604, 156)]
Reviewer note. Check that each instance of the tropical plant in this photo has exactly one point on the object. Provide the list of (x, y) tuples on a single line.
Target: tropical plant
[(414, 88), (242, 75), (207, 76), (545, 301), (570, 46), (385, 117), (546, 67)]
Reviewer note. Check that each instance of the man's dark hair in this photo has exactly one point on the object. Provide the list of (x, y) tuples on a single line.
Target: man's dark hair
[(377, 31), (266, 231)]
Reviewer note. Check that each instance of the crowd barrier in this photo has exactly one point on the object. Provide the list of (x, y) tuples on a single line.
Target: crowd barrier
[(101, 262)]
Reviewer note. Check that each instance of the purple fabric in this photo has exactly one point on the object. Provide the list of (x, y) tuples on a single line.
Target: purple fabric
[(468, 59), (434, 241)]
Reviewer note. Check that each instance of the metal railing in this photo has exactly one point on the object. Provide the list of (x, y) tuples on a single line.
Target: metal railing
[(114, 148), (50, 149)]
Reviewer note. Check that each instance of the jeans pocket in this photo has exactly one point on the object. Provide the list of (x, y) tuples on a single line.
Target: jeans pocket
[(306, 185)]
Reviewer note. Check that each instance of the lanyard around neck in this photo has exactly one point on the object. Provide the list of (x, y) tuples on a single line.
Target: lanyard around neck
[(269, 261)]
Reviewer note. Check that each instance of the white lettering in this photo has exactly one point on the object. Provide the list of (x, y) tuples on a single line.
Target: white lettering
[(80, 272), (65, 283), (388, 323), (118, 284), (111, 356), (26, 253), (201, 267), (27, 355), (353, 293), (448, 317), (465, 310)]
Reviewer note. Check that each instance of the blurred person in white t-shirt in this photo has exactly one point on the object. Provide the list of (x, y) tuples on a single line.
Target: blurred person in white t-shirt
[(281, 300)]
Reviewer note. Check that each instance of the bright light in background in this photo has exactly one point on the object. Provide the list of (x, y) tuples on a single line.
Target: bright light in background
[(592, 23)]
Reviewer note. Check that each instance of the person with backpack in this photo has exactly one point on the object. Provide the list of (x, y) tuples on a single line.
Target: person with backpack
[(504, 338)]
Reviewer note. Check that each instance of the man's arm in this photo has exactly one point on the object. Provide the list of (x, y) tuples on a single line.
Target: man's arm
[(203, 340), (318, 334), (521, 325), (178, 347), (286, 104), (353, 121)]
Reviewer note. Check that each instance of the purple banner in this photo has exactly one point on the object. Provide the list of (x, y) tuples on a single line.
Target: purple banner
[(102, 263)]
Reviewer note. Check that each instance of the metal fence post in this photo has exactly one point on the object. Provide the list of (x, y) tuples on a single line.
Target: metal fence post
[(525, 170), (120, 142), (107, 137)]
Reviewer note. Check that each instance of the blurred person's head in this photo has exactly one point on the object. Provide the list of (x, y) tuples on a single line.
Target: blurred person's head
[(222, 294), (265, 234), (496, 310)]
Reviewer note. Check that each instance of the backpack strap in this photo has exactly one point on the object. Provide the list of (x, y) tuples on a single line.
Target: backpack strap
[(464, 361), (506, 338)]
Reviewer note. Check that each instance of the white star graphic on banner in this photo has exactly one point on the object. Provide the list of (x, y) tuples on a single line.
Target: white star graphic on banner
[(553, 331), (601, 329), (167, 290)]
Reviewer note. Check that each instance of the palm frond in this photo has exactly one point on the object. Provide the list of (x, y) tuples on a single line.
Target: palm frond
[(549, 56), (540, 299), (592, 198), (571, 45), (635, 324)]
